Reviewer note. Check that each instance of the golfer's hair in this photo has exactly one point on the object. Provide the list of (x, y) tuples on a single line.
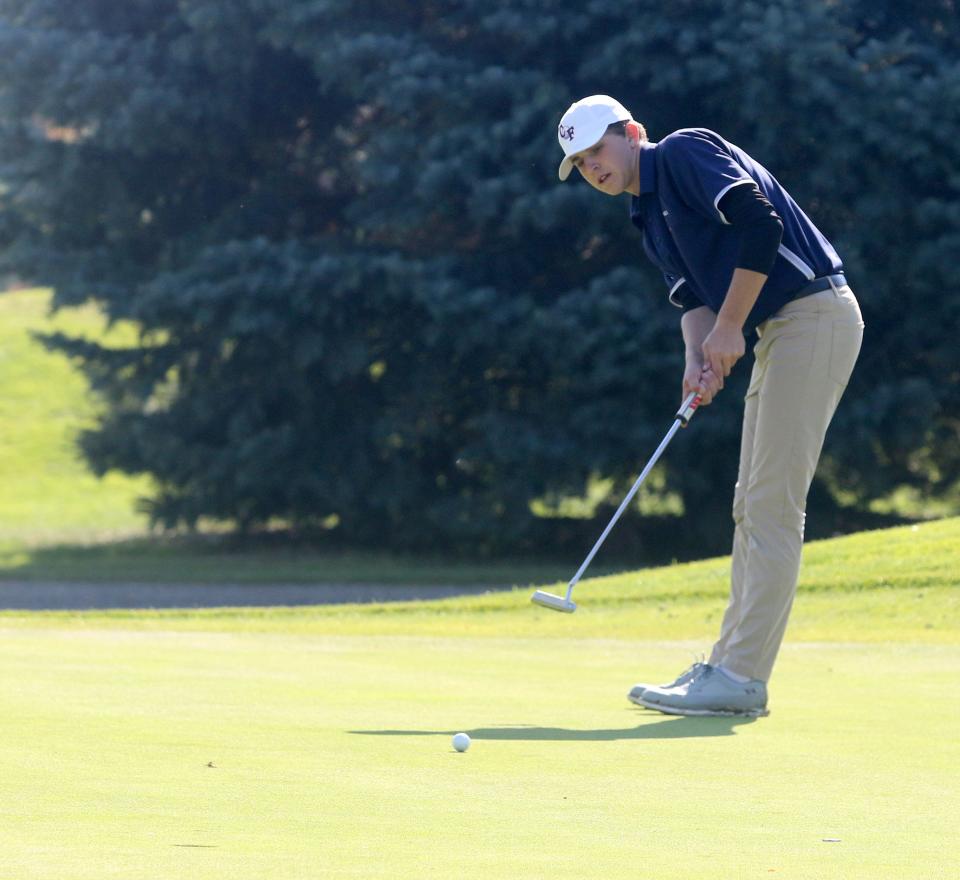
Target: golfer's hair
[(620, 128)]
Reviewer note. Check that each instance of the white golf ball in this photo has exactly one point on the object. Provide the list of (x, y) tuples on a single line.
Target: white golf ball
[(461, 742)]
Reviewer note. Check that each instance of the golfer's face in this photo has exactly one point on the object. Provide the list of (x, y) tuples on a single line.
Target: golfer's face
[(609, 165)]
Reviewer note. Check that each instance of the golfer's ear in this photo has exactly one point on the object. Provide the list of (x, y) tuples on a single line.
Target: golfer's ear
[(633, 131)]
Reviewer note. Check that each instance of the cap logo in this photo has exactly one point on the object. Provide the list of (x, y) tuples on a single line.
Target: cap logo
[(566, 134)]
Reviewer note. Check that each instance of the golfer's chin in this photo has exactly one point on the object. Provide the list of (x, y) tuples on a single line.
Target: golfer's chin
[(610, 186)]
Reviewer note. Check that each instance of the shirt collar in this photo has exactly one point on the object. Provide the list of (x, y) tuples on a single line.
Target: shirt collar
[(648, 168)]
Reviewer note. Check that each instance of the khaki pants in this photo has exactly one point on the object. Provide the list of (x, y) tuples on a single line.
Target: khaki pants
[(804, 358)]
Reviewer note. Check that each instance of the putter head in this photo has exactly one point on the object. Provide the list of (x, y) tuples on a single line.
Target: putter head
[(557, 603)]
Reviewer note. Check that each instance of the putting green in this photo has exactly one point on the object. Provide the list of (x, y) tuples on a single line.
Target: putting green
[(142, 754)]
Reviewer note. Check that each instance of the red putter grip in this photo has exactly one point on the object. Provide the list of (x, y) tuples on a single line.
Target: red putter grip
[(688, 408)]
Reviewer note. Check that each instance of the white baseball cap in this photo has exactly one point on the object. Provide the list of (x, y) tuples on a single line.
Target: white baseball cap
[(584, 124)]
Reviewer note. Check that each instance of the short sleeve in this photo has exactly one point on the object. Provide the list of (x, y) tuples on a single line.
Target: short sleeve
[(702, 169)]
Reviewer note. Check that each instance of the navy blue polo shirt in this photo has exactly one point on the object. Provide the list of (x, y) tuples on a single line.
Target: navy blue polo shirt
[(682, 180)]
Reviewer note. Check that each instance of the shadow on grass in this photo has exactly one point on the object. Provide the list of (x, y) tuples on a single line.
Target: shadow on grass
[(232, 558), (679, 727)]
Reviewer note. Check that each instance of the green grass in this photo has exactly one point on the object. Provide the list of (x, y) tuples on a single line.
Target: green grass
[(315, 742), (331, 758), (48, 494)]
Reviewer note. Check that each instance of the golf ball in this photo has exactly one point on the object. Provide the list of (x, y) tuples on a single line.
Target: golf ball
[(461, 742)]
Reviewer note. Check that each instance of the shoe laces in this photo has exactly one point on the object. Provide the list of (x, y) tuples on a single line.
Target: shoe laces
[(699, 665)]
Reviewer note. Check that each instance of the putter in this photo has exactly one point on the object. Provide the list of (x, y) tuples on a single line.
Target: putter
[(565, 603)]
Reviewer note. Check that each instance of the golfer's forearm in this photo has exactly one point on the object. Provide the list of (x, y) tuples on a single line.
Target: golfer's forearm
[(696, 326), (741, 296)]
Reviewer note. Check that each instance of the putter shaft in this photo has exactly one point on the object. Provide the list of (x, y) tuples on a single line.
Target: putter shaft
[(684, 414), (623, 505)]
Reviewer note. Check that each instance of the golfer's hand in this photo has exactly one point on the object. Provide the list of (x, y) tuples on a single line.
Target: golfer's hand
[(723, 347), (702, 380)]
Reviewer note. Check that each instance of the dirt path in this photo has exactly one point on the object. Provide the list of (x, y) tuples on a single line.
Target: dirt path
[(41, 596)]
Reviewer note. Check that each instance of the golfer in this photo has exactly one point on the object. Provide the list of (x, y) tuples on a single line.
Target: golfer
[(739, 257)]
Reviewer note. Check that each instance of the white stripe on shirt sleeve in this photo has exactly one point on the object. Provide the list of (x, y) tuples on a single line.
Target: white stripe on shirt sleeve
[(673, 290), (723, 192)]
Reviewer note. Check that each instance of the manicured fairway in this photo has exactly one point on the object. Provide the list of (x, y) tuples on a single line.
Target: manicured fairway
[(133, 753)]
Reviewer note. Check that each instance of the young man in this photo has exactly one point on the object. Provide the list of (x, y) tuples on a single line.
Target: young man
[(738, 256)]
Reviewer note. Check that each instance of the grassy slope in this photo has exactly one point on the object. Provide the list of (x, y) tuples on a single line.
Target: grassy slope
[(892, 585), (47, 494)]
